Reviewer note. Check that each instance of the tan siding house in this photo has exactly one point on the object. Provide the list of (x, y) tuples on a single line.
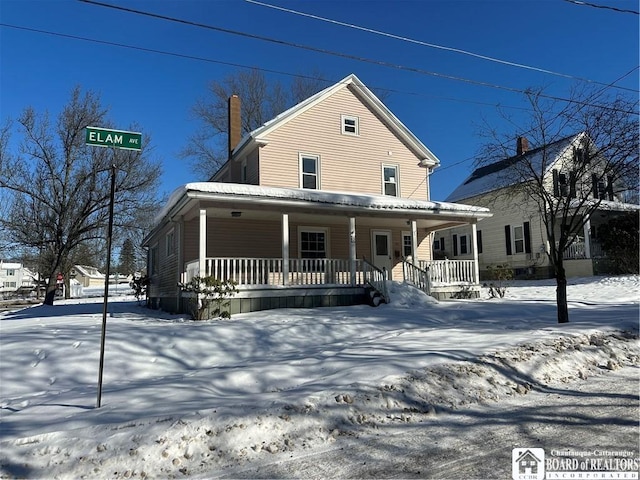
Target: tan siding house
[(314, 208)]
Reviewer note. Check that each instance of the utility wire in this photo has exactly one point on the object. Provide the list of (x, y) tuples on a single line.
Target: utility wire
[(249, 67), (331, 52), (606, 7), (426, 44)]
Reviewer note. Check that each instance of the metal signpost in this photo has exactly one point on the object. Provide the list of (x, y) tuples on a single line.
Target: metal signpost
[(116, 139)]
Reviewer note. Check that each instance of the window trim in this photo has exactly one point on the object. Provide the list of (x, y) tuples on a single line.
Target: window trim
[(396, 182), (515, 240), (457, 241), (314, 229), (407, 234), (301, 172), (356, 125), (154, 259), (170, 243)]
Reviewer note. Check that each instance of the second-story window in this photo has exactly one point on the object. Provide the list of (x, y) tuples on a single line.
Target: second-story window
[(309, 171), (390, 180)]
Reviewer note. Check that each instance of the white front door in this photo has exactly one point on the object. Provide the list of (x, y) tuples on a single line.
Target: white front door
[(381, 250)]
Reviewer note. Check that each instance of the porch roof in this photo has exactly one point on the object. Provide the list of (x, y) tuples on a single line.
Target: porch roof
[(256, 197)]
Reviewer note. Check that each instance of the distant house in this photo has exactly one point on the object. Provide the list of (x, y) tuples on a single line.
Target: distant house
[(87, 276), (516, 236), (12, 275), (314, 208)]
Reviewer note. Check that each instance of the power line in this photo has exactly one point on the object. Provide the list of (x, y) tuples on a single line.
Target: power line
[(330, 52), (427, 44), (606, 7), (249, 67)]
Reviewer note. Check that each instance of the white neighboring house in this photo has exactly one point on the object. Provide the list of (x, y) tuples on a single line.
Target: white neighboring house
[(516, 236), (14, 275)]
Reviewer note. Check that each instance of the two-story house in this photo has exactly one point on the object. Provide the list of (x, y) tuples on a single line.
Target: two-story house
[(310, 209), (516, 235)]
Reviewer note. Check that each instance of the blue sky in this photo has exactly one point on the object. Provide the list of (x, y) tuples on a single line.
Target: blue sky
[(157, 91)]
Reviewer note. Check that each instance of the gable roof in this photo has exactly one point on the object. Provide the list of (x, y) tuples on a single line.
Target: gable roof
[(494, 176), (258, 136)]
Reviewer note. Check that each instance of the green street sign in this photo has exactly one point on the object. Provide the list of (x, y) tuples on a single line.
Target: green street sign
[(102, 137)]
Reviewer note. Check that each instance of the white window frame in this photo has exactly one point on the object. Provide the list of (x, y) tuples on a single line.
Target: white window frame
[(309, 229), (301, 157), (517, 241), (407, 235), (396, 182), (11, 272), (467, 244), (356, 125)]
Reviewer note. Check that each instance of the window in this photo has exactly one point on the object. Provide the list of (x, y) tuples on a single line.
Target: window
[(350, 125), (313, 243), (153, 260), (390, 180), (309, 171), (464, 244), (461, 245), (11, 272), (406, 244), (171, 242), (518, 239), (436, 244), (243, 171)]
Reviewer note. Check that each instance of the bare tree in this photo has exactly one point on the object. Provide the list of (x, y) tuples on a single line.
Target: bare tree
[(261, 100), (58, 188), (603, 131)]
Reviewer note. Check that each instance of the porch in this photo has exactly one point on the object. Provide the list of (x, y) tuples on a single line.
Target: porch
[(265, 283)]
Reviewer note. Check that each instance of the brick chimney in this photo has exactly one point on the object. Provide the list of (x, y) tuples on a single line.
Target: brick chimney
[(522, 145), (235, 129)]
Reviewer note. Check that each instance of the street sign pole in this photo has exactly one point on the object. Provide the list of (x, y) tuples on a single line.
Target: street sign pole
[(106, 282), (115, 139)]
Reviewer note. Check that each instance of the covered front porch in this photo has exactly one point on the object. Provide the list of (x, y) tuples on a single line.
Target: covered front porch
[(299, 248)]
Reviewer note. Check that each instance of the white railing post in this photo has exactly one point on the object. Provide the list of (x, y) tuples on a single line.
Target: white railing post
[(285, 249), (352, 250), (202, 245)]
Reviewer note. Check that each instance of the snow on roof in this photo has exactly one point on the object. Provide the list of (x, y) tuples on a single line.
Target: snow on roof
[(497, 175), (350, 199), (10, 265)]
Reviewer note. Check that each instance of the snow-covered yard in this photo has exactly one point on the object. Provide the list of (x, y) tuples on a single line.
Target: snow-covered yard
[(193, 398)]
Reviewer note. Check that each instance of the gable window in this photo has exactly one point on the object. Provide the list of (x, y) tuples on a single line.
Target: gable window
[(309, 171), (11, 272), (390, 180), (350, 125), (313, 242), (171, 242)]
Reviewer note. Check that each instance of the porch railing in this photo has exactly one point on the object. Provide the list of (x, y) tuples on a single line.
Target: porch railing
[(377, 279), (578, 250), (449, 272), (271, 272), (416, 276)]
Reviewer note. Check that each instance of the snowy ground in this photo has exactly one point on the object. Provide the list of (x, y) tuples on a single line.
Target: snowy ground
[(183, 398)]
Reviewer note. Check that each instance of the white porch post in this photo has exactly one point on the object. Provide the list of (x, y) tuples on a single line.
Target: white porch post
[(474, 249), (285, 249), (202, 246), (352, 249), (414, 242), (587, 238)]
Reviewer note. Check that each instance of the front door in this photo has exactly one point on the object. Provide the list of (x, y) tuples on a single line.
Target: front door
[(381, 250)]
